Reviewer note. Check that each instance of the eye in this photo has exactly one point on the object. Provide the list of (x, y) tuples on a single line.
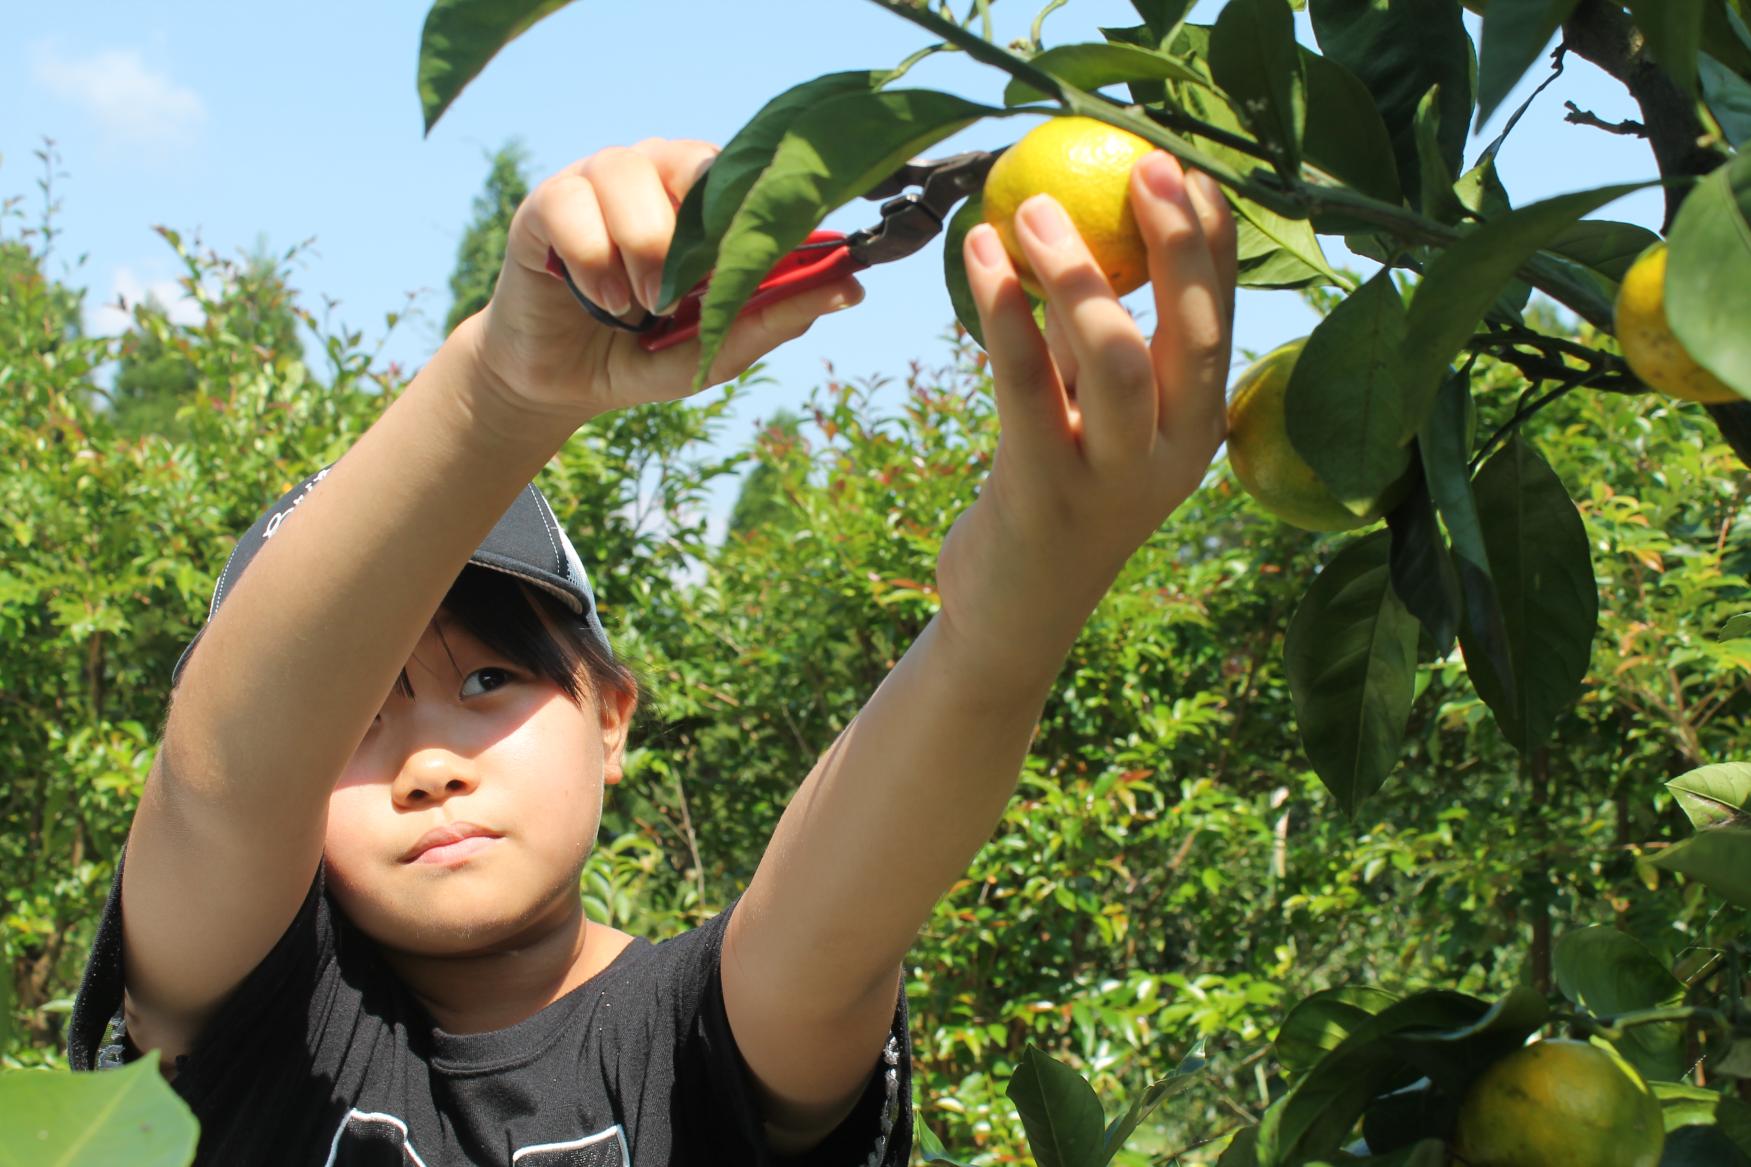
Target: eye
[(503, 676)]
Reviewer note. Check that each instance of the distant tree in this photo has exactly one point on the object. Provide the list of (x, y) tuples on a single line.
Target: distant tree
[(483, 245), (761, 505), (49, 310)]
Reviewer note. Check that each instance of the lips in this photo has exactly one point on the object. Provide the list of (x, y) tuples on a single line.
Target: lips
[(444, 836)]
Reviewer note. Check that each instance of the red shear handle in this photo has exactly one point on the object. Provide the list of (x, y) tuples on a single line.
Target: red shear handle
[(810, 266)]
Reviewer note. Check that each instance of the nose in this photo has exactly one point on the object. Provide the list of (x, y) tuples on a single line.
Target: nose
[(429, 777)]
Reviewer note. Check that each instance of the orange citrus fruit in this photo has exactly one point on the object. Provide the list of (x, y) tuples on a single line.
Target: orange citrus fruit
[(1086, 165), (1647, 339), (1560, 1104), (1266, 463)]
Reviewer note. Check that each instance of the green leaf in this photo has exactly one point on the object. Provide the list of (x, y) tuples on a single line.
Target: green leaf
[(1439, 201), (1399, 49), (461, 36), (1254, 58), (1351, 657), (954, 266), (94, 1119), (1465, 279), (1607, 972), (1515, 33), (1673, 29), (1711, 795), (1454, 1056), (1095, 66), (1704, 1128), (1318, 1112), (1728, 96), (1319, 1023), (1344, 404), (1718, 857), (1604, 246), (1542, 568), (1344, 134), (1422, 570), (1736, 627), (930, 1148), (1242, 1150), (1265, 263), (1708, 270), (1063, 1119), (1153, 1096), (829, 156)]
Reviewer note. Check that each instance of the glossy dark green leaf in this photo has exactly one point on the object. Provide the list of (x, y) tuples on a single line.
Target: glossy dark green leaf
[(1063, 1119), (1725, 34), (1095, 66), (1254, 58), (1718, 857), (1422, 570), (130, 1115), (1162, 17), (1515, 33), (1454, 1056), (1602, 245), (1436, 185), (1673, 29), (1465, 279), (1701, 1146), (1711, 795), (711, 202), (1265, 263), (1729, 98), (1344, 135), (1708, 270), (1542, 568), (1318, 1112), (1351, 658), (1607, 972), (1480, 191), (1152, 1096), (1319, 1023), (829, 156), (1344, 407), (461, 36), (954, 266), (1399, 49), (1691, 1113), (1242, 1150)]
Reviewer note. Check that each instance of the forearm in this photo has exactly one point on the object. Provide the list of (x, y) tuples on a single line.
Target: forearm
[(297, 661), (894, 811)]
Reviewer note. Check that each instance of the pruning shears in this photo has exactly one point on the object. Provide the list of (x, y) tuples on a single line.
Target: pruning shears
[(909, 220)]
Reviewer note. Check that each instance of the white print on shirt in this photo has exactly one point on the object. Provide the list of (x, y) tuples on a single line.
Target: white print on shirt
[(381, 1140), (281, 516)]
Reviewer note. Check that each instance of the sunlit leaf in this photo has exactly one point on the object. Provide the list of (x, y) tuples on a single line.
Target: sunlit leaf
[(1709, 269), (461, 36), (94, 1119), (1608, 972)]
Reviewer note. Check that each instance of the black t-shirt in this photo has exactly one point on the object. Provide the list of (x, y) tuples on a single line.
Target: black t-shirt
[(323, 1057)]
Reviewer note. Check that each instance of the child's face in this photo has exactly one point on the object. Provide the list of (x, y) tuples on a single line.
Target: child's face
[(481, 742)]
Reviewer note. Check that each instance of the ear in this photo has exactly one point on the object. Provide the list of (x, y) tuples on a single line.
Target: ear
[(617, 711)]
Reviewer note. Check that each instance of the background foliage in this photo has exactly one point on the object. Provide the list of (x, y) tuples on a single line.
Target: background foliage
[(1170, 869)]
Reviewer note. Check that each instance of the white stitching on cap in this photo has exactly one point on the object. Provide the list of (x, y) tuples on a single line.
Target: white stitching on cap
[(547, 518)]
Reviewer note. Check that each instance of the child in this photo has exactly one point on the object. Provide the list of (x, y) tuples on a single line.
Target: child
[(350, 923)]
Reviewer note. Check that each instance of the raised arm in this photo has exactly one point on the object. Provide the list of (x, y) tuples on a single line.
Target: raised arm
[(300, 656), (1104, 434)]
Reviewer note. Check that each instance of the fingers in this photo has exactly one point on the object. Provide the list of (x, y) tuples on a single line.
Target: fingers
[(1031, 401), (1190, 236), (1115, 386)]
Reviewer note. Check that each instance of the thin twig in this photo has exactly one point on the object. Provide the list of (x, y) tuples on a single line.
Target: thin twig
[(1629, 127)]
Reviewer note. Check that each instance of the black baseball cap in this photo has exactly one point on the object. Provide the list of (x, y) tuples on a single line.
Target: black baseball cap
[(526, 542)]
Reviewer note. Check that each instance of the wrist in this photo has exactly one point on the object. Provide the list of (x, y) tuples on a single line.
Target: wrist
[(493, 401)]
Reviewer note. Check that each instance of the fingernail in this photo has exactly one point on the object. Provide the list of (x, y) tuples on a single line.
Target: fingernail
[(1045, 218), (1162, 175), (653, 288), (615, 296), (987, 247)]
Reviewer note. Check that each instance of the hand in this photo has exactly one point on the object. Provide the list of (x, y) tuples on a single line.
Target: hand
[(1104, 433), (611, 218)]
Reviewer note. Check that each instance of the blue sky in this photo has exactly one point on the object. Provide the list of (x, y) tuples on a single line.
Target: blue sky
[(273, 124)]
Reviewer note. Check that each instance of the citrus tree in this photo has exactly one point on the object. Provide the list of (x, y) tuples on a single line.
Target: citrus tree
[(1484, 559)]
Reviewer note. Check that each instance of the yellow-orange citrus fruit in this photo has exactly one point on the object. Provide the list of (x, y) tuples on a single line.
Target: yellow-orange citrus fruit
[(1647, 339), (1086, 165), (1266, 463), (1560, 1104)]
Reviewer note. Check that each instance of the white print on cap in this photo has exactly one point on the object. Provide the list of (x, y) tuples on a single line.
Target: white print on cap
[(280, 516)]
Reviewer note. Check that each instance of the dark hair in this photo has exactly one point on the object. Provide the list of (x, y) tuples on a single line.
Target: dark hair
[(505, 614)]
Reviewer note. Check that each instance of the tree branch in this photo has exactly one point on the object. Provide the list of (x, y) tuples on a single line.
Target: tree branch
[(1629, 127)]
